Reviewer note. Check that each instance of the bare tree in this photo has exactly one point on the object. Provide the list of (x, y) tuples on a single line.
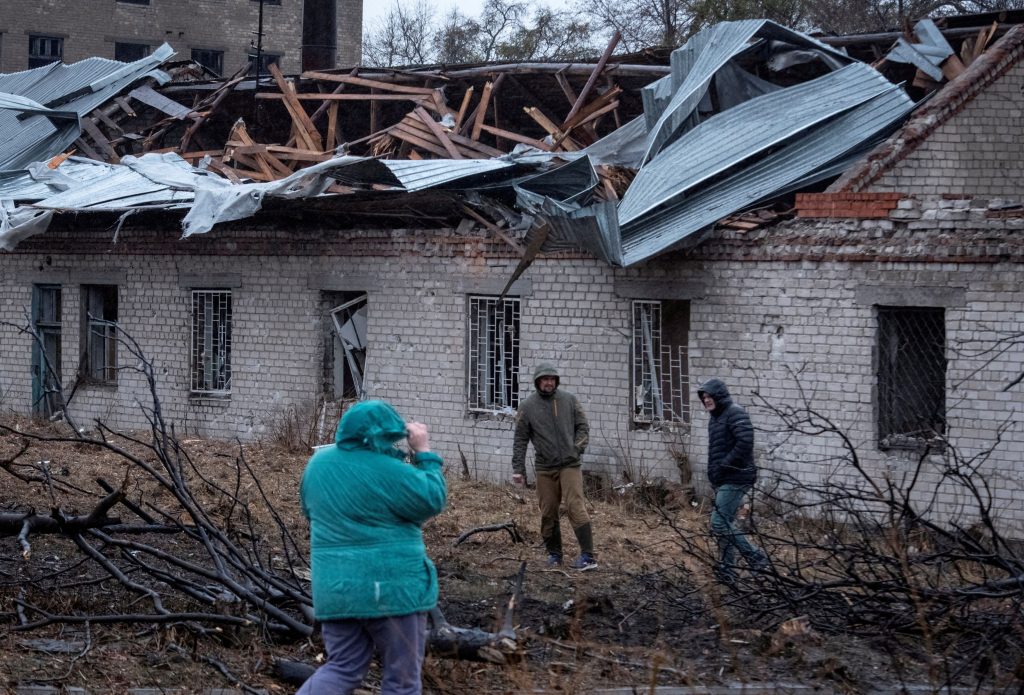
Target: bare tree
[(506, 30), (880, 554), (402, 37)]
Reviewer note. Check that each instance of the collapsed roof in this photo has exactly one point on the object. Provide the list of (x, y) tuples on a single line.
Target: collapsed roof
[(646, 158)]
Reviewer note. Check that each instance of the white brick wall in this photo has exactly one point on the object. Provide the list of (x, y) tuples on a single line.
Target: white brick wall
[(755, 324)]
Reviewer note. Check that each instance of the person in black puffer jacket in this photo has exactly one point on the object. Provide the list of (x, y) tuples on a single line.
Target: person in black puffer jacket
[(732, 472)]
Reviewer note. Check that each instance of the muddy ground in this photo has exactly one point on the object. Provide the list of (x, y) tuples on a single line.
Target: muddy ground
[(647, 616)]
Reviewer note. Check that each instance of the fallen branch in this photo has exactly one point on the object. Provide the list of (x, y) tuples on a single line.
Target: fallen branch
[(509, 526)]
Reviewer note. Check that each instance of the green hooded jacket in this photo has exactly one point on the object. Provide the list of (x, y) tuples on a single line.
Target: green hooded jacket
[(365, 506), (556, 424)]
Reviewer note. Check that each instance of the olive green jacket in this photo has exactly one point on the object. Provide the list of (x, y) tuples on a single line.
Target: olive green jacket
[(558, 428)]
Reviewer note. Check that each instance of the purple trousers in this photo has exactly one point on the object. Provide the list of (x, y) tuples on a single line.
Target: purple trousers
[(400, 641)]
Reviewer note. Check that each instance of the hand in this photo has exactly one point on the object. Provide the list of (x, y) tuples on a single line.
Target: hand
[(418, 437), (518, 479)]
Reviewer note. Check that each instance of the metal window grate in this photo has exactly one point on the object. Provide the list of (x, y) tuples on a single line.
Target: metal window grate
[(99, 304), (493, 354), (660, 368), (211, 341), (911, 375)]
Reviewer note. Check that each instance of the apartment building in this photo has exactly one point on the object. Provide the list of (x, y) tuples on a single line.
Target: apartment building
[(220, 34)]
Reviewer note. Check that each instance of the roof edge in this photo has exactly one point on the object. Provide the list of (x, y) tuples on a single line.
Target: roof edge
[(949, 101)]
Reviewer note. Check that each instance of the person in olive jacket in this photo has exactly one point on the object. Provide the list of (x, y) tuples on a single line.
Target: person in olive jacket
[(373, 583), (555, 422), (732, 472)]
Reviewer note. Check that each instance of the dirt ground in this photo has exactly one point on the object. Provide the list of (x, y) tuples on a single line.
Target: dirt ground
[(647, 616)]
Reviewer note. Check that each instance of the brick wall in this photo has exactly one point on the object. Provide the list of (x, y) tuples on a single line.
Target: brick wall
[(775, 325), (91, 28), (978, 152)]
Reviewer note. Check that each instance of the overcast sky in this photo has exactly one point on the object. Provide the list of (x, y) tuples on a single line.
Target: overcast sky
[(374, 9)]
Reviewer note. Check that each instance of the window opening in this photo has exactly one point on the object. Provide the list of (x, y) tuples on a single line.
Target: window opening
[(211, 342), (99, 334), (46, 356), (130, 52), (348, 321), (493, 354), (660, 377), (209, 59), (43, 50), (911, 376)]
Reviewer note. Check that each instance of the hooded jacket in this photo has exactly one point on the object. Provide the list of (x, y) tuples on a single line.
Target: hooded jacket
[(365, 506), (555, 423), (730, 439)]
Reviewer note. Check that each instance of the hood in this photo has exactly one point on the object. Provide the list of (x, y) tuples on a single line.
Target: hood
[(545, 369), (372, 425), (716, 389)]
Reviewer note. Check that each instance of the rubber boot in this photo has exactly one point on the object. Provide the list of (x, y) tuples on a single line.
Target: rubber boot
[(585, 536), (553, 543)]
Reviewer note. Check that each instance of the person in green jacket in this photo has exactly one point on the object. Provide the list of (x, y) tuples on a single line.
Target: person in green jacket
[(373, 583), (555, 422)]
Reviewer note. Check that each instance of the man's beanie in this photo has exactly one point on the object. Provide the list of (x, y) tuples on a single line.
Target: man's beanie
[(545, 370)]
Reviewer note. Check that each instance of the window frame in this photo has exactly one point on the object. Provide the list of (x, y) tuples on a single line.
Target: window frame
[(98, 331), (207, 377), (217, 69), (146, 50), (267, 57), (502, 362), (651, 355), (38, 59), (895, 362)]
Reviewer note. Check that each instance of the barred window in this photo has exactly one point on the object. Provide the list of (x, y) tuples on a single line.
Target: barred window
[(211, 342), (911, 376), (493, 354), (99, 334), (660, 378)]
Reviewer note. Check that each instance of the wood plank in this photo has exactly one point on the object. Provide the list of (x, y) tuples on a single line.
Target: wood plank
[(475, 145), (567, 89), (306, 130), (552, 129), (125, 106), (413, 138), (516, 137), (363, 82), (493, 228), (462, 109), (331, 141), (592, 80), (90, 127), (318, 96), (481, 110), (438, 132), (198, 154), (301, 155), (228, 172)]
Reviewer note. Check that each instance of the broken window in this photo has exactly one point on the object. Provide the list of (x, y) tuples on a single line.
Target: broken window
[(911, 376), (660, 377), (265, 61), (99, 334), (46, 320), (130, 52), (493, 354), (211, 342), (43, 50), (345, 353), (210, 59)]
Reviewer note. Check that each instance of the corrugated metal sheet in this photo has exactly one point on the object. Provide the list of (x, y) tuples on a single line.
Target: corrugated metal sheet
[(741, 133), (839, 139), (78, 88), (417, 175)]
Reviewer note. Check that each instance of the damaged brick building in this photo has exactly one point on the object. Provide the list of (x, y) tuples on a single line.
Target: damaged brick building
[(880, 287)]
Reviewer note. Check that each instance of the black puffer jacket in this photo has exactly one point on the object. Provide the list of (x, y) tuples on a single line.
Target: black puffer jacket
[(730, 439)]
